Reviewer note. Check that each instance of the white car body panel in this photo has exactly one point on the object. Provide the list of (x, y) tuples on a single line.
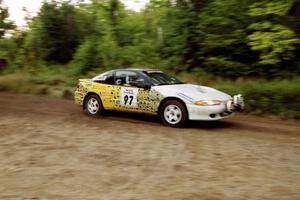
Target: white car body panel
[(190, 94)]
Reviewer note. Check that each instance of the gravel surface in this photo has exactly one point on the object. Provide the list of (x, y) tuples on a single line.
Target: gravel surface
[(50, 149)]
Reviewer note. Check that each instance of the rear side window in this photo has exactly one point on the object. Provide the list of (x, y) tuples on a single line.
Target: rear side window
[(107, 78)]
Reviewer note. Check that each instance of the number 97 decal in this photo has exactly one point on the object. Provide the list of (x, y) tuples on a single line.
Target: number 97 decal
[(129, 97), (126, 98)]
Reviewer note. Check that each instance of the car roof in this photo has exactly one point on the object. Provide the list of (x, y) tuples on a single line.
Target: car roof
[(139, 70)]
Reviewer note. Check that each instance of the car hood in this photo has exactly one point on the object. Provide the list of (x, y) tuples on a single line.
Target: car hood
[(192, 92)]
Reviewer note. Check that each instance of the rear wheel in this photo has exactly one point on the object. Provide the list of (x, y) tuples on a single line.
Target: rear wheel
[(173, 113), (93, 105)]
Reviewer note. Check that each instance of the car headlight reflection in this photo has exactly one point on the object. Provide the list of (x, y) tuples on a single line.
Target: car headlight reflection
[(208, 103)]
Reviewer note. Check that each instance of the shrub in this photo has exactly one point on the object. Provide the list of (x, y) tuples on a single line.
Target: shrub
[(278, 97)]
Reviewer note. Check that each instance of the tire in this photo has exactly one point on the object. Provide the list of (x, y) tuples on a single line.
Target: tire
[(174, 114), (93, 105)]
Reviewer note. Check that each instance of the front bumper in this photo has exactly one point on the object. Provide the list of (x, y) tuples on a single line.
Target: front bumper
[(212, 113)]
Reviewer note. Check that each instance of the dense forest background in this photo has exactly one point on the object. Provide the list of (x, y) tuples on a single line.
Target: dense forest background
[(250, 46)]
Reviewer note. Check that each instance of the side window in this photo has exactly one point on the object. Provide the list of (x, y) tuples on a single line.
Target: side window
[(127, 78), (106, 78), (110, 79)]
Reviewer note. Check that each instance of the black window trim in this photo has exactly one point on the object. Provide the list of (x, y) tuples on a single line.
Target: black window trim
[(143, 74)]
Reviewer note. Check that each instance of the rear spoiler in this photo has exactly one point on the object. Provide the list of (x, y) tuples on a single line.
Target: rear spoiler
[(84, 80)]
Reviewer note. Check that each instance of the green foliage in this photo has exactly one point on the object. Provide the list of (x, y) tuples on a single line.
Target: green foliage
[(55, 33), (277, 97), (8, 48), (5, 24), (273, 8), (223, 37), (274, 41), (222, 32), (85, 57)]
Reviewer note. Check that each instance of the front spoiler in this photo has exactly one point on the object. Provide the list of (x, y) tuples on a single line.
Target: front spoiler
[(212, 113)]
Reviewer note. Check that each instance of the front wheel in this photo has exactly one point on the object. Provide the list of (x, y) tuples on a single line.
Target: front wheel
[(93, 105), (173, 113)]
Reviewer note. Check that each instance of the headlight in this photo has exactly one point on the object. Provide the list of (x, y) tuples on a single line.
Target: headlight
[(208, 103)]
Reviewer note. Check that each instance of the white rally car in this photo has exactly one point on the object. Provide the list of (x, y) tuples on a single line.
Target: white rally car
[(154, 92)]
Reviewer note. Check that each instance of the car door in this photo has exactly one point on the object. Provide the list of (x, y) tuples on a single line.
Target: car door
[(125, 91)]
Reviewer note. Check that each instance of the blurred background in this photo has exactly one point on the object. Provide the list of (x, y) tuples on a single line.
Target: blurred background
[(250, 47)]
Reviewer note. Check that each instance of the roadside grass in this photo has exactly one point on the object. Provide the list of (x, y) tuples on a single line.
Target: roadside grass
[(280, 98), (20, 83), (262, 97), (44, 82)]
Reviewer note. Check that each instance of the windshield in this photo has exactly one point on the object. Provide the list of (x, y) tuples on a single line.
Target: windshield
[(160, 78)]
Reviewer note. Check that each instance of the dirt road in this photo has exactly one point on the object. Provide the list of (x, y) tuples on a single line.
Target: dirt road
[(49, 149)]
